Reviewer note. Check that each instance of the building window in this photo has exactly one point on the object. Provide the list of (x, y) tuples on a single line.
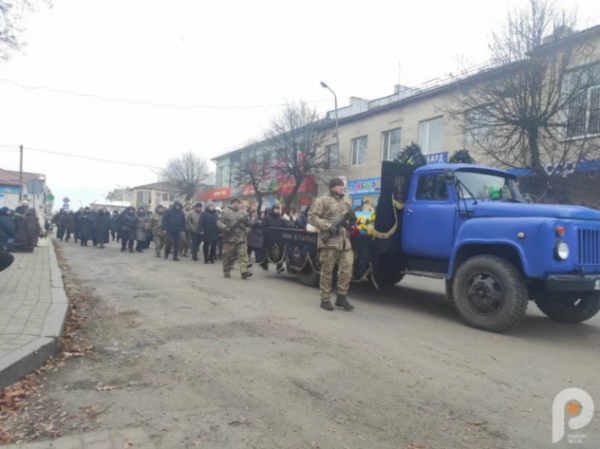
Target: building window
[(479, 123), (359, 151), (165, 197), (391, 144), (171, 197), (220, 173), (583, 114), (430, 136), (432, 188), (332, 160)]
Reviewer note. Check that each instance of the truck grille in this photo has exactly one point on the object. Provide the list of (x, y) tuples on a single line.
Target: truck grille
[(588, 246)]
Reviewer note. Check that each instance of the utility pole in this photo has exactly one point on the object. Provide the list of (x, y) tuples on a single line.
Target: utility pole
[(21, 177)]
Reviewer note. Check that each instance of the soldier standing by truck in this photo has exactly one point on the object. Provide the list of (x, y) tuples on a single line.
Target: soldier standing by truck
[(324, 214), (234, 224)]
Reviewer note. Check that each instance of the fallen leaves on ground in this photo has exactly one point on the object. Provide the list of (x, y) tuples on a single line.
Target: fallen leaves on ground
[(127, 444), (107, 388)]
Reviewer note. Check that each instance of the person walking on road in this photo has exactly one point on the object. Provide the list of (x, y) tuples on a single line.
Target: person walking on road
[(327, 210), (174, 224), (209, 232), (7, 227), (128, 225), (86, 227), (273, 219), (158, 233), (141, 230), (185, 243), (255, 237), (102, 224), (68, 224), (234, 223), (60, 227), (192, 221), (113, 224), (76, 224)]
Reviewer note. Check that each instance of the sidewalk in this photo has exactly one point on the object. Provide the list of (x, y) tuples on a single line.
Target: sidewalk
[(33, 308)]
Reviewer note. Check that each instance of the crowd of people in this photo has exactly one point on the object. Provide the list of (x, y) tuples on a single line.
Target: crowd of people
[(176, 230)]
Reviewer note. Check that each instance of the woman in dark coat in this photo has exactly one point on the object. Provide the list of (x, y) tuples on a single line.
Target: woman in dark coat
[(86, 226), (102, 224), (114, 218), (128, 224), (58, 220), (7, 227), (27, 235), (141, 230), (209, 232)]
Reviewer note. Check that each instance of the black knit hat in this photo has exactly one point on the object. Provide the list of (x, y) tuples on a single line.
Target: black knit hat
[(199, 205), (334, 182), (235, 200)]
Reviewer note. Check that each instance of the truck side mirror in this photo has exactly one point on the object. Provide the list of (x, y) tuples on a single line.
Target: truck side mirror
[(449, 176)]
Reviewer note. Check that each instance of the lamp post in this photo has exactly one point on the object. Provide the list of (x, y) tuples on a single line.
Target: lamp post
[(337, 129)]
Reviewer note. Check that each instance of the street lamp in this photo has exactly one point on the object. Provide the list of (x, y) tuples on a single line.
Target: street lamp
[(337, 129)]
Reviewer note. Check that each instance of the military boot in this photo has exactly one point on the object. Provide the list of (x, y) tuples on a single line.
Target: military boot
[(342, 302), (327, 305), (226, 275), (246, 274)]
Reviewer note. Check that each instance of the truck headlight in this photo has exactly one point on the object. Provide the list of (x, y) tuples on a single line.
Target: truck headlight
[(561, 250)]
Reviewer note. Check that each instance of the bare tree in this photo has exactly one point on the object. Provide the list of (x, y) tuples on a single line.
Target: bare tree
[(295, 137), (11, 14), (254, 169), (530, 109), (189, 173)]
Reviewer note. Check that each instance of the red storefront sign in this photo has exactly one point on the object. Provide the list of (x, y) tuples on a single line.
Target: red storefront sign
[(286, 185), (214, 194)]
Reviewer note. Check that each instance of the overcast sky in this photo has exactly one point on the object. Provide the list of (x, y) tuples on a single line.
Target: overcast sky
[(234, 54)]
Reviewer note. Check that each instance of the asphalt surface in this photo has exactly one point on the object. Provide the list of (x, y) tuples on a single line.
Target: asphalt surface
[(212, 362)]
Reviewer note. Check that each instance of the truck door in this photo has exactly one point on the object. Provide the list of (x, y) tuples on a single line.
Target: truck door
[(428, 228)]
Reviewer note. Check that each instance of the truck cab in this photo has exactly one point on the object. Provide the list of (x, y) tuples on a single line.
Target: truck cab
[(470, 225)]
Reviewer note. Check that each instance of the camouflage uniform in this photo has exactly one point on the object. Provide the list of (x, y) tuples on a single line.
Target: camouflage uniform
[(192, 224), (158, 232), (325, 211), (185, 242), (234, 240)]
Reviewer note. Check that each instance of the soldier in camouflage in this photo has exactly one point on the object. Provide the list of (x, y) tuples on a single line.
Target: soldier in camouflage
[(157, 231), (234, 238), (327, 210), (186, 242)]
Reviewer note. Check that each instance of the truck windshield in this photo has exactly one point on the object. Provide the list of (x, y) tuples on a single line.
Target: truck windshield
[(487, 186)]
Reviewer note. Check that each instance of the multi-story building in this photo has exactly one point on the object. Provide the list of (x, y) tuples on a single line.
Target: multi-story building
[(370, 132), (151, 195), (10, 189)]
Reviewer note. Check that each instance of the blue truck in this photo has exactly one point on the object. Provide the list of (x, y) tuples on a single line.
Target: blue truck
[(470, 226)]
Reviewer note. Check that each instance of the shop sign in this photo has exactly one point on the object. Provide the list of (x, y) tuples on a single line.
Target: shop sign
[(214, 194), (369, 186), (437, 158), (9, 189)]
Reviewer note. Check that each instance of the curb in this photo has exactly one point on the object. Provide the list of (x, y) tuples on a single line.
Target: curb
[(32, 355)]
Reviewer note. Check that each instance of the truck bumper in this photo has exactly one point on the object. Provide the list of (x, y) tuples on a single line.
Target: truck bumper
[(573, 283)]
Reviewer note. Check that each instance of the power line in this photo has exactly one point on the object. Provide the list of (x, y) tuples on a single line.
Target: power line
[(147, 103), (81, 157)]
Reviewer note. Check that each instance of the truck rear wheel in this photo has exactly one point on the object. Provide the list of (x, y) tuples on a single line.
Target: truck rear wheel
[(570, 307), (490, 293), (307, 276)]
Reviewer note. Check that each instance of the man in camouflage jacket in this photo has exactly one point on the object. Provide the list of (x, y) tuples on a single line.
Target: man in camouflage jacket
[(234, 238), (326, 211), (158, 233)]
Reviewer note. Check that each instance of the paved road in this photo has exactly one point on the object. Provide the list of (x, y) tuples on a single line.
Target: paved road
[(232, 363)]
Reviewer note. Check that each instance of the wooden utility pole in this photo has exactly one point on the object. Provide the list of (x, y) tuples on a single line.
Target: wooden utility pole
[(21, 177)]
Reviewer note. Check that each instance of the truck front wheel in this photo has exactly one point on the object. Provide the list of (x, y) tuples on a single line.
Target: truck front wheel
[(490, 293), (570, 307)]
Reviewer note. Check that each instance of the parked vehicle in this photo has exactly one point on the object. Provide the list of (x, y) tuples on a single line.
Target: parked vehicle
[(469, 225)]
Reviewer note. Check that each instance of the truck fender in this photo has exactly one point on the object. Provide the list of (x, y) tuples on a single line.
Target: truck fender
[(502, 248)]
